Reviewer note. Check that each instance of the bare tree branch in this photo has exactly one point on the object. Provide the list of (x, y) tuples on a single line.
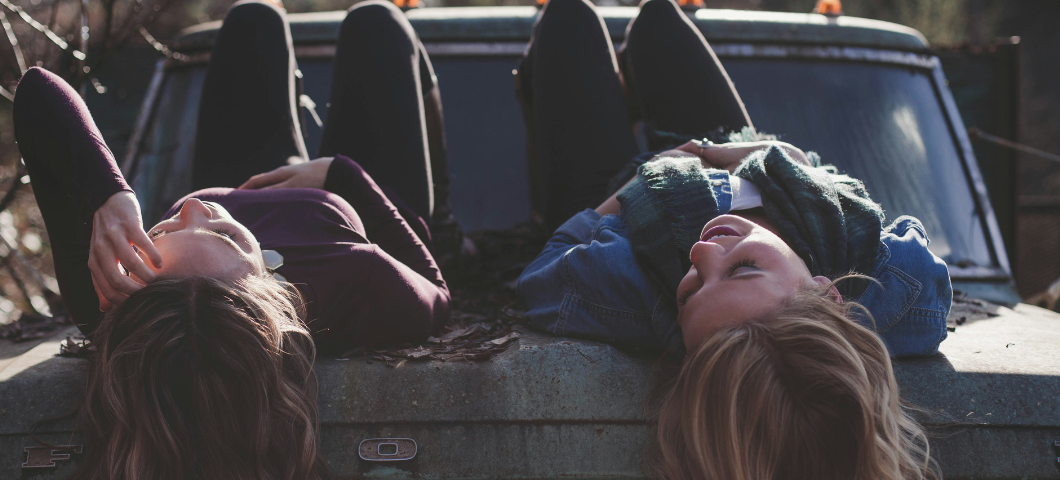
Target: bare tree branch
[(41, 28), (13, 40)]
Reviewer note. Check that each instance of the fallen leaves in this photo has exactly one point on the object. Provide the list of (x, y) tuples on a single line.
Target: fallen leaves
[(484, 303), (479, 341), (32, 326), (76, 347)]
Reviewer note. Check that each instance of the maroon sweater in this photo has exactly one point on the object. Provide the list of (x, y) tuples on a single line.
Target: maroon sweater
[(365, 274), (366, 277)]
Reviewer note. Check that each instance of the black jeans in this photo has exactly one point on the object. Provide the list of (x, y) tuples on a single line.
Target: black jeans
[(573, 90), (248, 116)]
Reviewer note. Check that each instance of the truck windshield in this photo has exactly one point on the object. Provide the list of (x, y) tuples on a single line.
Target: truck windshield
[(882, 124)]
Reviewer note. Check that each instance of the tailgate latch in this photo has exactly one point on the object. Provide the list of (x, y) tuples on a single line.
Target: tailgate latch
[(387, 449)]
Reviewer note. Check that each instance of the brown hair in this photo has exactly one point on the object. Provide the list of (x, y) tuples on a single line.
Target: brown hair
[(802, 393), (198, 378)]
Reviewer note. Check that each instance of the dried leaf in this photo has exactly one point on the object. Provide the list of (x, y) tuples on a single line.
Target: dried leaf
[(453, 335), (505, 339), (414, 353)]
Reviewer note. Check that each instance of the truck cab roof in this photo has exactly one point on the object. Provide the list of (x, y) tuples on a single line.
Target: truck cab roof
[(493, 24)]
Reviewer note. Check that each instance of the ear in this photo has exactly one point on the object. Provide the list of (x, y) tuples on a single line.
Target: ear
[(832, 292)]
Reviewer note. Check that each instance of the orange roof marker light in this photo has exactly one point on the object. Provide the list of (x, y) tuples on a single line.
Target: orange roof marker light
[(691, 4), (829, 7), (406, 4)]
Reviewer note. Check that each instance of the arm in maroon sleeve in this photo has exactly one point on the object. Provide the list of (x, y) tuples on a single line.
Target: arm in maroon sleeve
[(73, 173), (386, 304), (55, 129), (383, 225)]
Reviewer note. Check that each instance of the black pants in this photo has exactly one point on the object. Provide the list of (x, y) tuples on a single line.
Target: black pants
[(248, 116), (574, 92)]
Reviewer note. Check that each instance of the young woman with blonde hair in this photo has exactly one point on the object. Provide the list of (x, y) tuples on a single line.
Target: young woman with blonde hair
[(803, 392), (206, 325), (737, 255)]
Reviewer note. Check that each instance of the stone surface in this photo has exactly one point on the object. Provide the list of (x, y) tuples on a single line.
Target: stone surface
[(552, 407)]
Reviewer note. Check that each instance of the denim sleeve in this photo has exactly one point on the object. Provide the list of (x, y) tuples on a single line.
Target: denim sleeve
[(910, 302), (586, 283)]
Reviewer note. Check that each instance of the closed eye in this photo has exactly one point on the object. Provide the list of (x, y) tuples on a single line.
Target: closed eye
[(223, 232), (748, 263)]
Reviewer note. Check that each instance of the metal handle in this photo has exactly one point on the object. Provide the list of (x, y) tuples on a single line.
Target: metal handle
[(387, 449)]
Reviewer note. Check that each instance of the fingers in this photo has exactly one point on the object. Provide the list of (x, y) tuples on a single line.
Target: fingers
[(133, 263), (262, 180), (692, 148), (108, 296), (285, 184), (104, 304), (106, 269), (143, 242)]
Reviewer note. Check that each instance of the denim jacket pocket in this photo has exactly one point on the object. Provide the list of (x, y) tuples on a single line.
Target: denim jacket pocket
[(891, 297)]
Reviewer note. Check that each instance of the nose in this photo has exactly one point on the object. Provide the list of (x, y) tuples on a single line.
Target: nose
[(194, 210), (705, 255)]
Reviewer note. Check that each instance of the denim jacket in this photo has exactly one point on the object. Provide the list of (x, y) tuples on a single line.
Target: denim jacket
[(587, 283)]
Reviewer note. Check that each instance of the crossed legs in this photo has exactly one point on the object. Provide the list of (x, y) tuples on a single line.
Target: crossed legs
[(248, 111), (574, 96), (377, 115), (679, 84)]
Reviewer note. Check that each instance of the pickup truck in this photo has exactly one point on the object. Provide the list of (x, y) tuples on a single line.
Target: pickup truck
[(870, 97)]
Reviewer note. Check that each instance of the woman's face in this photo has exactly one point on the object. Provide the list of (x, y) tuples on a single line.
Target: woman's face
[(204, 239), (740, 270)]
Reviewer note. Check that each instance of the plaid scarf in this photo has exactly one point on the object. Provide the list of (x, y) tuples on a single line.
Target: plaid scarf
[(827, 219)]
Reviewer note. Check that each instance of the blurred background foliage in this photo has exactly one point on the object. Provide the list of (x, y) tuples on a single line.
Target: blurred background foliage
[(26, 273)]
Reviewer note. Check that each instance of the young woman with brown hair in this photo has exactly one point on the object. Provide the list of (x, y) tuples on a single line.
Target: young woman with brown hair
[(213, 317), (198, 377), (736, 254)]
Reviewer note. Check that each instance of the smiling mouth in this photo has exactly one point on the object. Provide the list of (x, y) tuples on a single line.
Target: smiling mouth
[(718, 232)]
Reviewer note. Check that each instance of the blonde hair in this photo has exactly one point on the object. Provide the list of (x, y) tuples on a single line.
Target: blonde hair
[(802, 393), (198, 378)]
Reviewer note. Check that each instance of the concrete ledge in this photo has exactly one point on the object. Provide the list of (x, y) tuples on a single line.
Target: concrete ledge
[(551, 407)]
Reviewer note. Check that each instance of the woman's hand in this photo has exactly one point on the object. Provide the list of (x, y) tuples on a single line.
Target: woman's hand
[(310, 174), (116, 227), (727, 156)]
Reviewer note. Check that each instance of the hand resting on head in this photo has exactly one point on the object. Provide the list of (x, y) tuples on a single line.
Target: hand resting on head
[(116, 227)]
